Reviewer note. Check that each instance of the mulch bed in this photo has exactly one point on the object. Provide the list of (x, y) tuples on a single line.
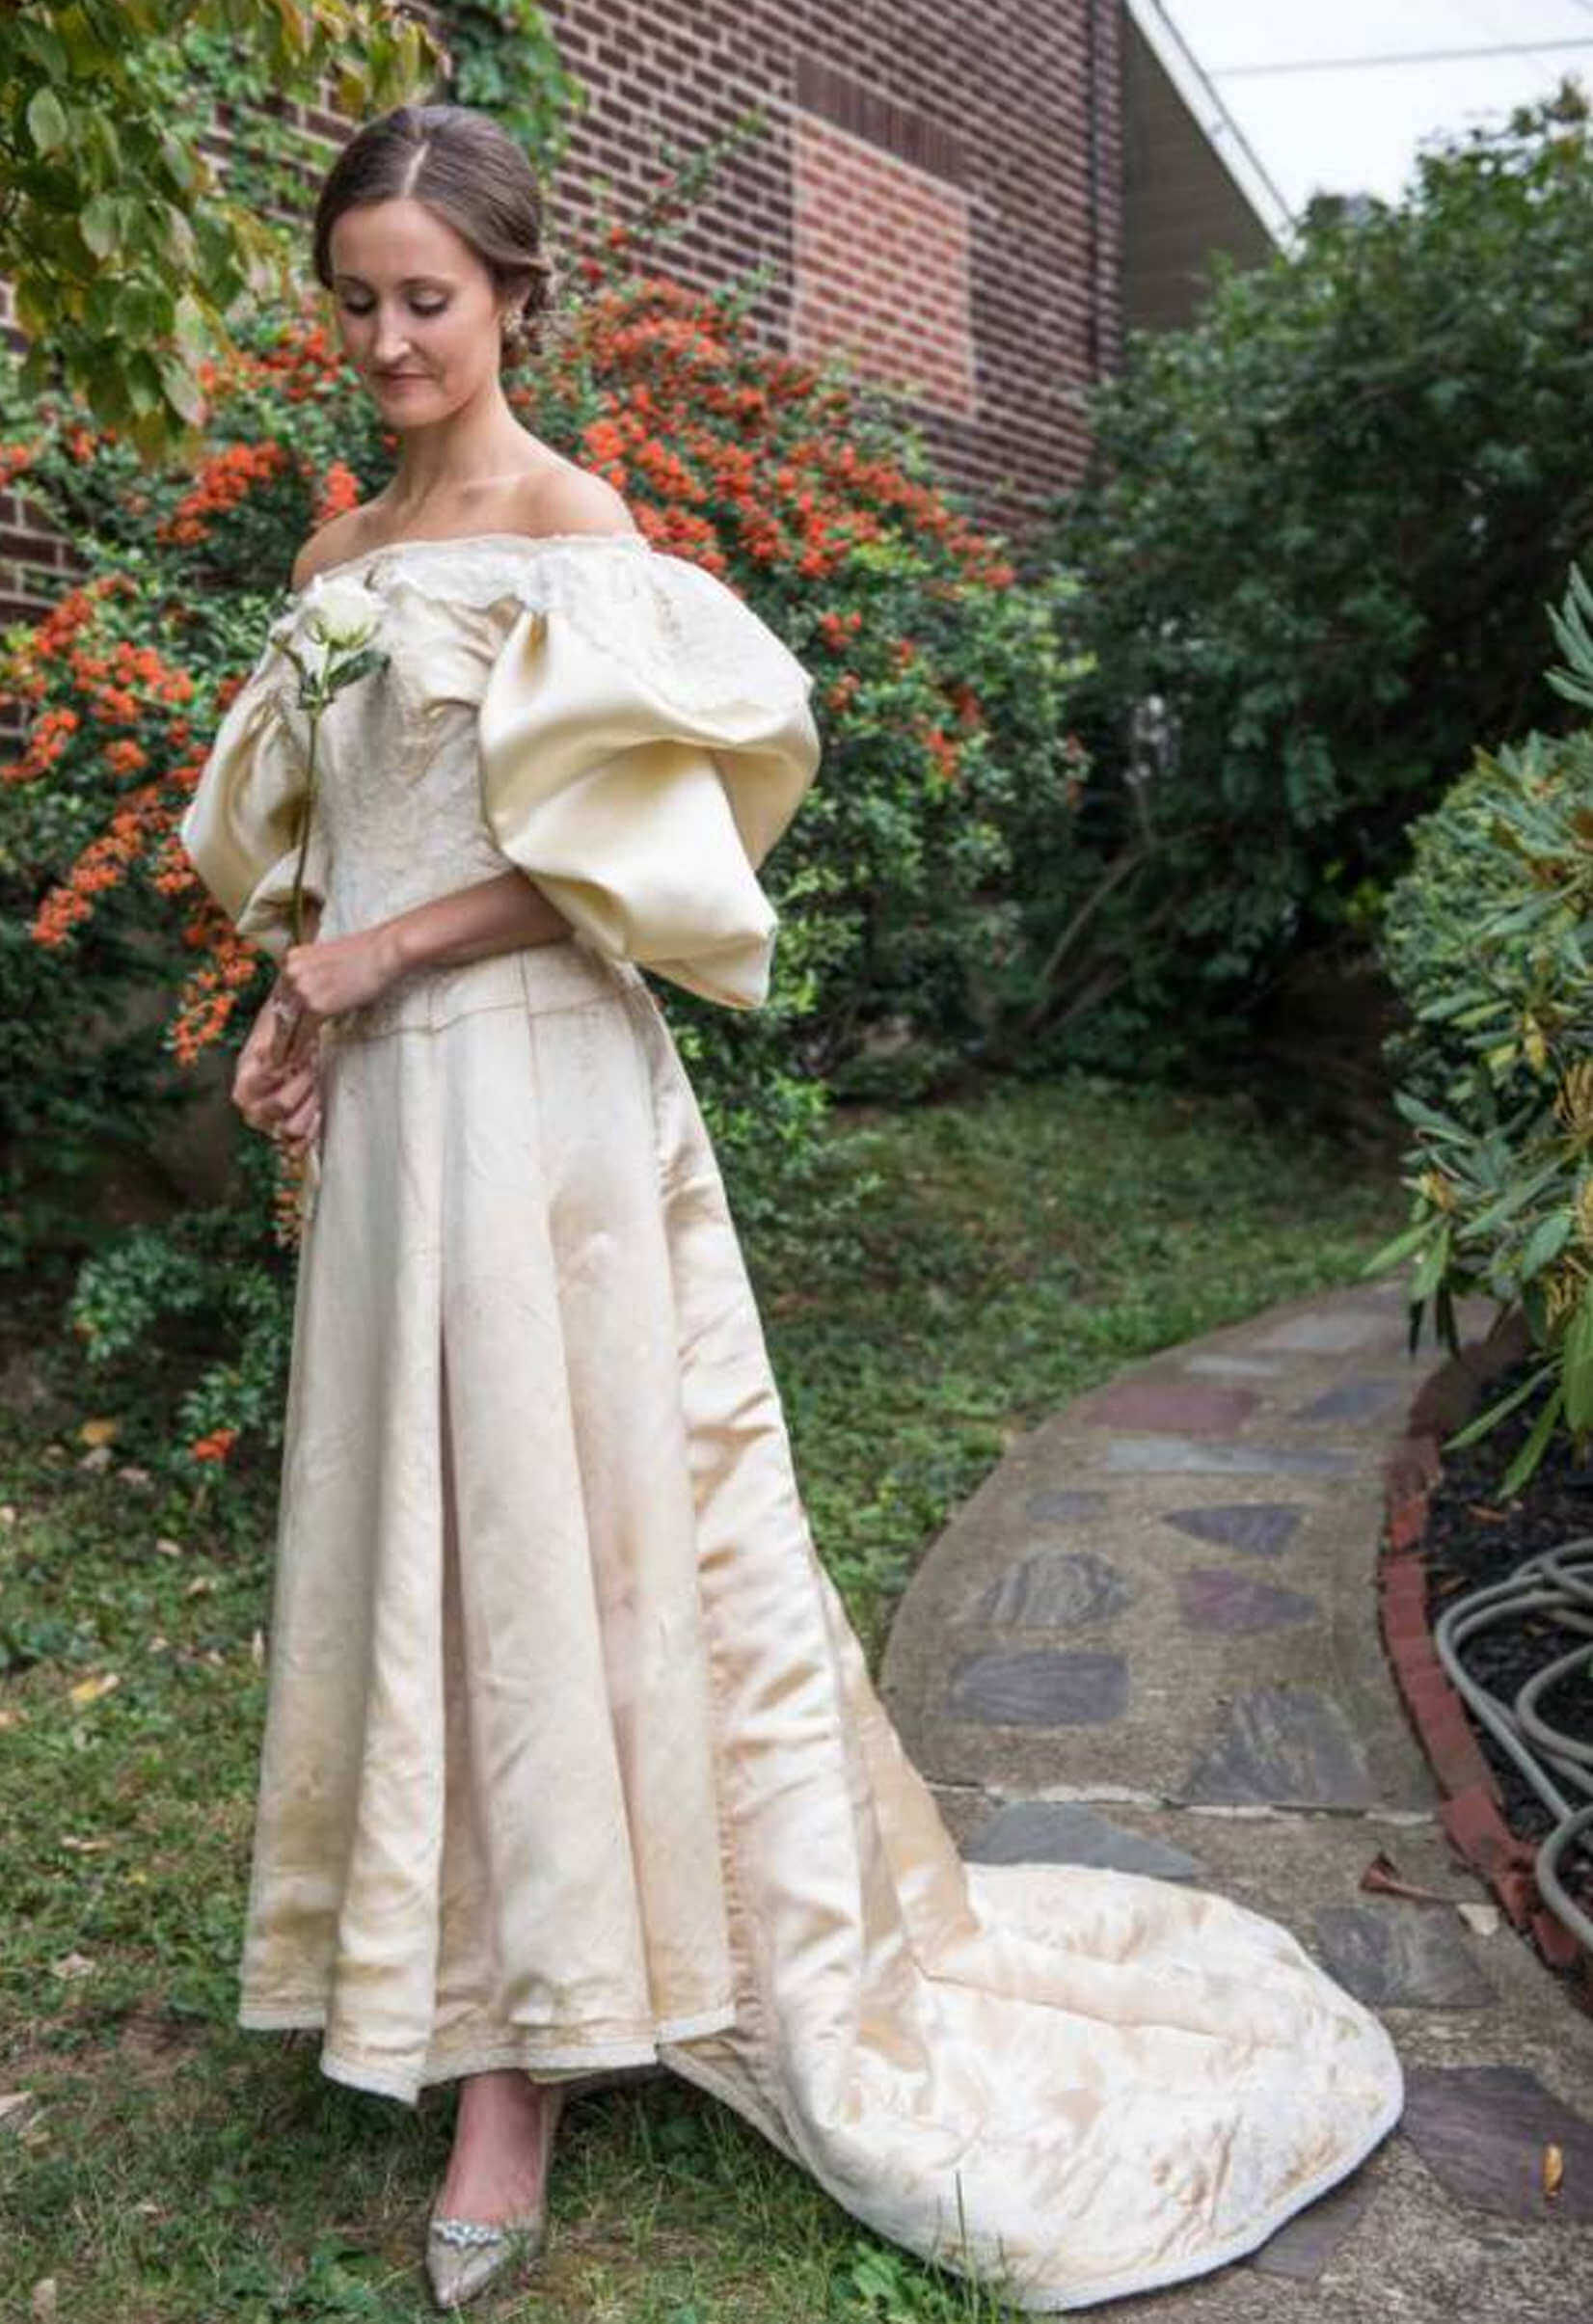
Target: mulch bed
[(1451, 1531)]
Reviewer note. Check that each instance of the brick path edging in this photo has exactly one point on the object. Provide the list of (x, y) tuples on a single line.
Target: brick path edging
[(1471, 1809)]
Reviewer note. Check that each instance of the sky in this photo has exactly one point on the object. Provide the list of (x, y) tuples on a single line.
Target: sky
[(1357, 128)]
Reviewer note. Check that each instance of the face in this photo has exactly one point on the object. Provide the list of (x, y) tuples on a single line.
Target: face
[(416, 311)]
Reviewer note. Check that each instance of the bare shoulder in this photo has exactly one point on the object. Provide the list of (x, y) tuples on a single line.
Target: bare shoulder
[(566, 497), (558, 496), (343, 536)]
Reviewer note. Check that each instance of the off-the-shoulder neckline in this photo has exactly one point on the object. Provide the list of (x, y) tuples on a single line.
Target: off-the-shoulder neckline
[(528, 542)]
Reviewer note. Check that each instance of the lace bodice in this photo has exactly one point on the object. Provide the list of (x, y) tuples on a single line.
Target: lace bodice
[(610, 719)]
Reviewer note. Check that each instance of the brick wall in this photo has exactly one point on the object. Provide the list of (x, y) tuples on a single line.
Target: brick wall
[(935, 190)]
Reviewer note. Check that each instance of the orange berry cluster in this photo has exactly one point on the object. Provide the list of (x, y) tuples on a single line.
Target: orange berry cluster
[(210, 993), (104, 863), (227, 478), (111, 683), (340, 492), (698, 433)]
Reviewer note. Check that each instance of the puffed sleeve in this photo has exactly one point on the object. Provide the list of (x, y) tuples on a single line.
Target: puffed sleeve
[(242, 825), (645, 739)]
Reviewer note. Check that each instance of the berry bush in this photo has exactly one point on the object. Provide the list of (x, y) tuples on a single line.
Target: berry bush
[(942, 689)]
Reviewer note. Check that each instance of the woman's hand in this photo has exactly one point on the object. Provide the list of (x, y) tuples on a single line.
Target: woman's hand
[(276, 1085), (324, 978)]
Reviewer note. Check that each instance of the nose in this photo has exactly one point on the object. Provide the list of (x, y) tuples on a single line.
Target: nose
[(391, 341)]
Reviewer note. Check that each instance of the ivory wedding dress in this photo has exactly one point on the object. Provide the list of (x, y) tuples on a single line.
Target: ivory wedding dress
[(571, 1758)]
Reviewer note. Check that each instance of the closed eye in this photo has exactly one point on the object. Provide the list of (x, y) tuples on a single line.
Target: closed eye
[(420, 307)]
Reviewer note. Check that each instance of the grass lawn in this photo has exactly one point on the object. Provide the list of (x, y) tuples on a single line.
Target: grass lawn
[(1008, 1252)]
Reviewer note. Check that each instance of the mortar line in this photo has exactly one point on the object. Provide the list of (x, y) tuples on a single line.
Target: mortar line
[(1239, 1811)]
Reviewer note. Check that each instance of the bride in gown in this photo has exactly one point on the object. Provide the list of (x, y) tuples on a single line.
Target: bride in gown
[(571, 1763)]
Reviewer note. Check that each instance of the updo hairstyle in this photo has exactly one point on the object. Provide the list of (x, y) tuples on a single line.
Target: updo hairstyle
[(467, 172)]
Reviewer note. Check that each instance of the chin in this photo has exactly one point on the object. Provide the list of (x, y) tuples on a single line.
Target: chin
[(422, 399)]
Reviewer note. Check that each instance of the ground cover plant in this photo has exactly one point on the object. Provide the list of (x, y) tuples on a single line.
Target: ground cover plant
[(1003, 1254)]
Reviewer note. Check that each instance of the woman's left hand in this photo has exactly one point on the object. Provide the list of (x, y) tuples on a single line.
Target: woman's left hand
[(335, 973)]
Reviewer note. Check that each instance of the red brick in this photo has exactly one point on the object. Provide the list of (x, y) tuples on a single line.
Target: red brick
[(1553, 1938), (1474, 1822), (1407, 1520)]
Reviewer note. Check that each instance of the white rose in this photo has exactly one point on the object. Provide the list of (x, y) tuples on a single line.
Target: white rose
[(343, 615)]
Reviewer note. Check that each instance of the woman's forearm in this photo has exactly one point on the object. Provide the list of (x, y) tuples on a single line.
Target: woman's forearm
[(501, 914)]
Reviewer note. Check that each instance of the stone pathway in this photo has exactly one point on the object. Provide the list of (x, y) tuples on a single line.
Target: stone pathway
[(1150, 1641)]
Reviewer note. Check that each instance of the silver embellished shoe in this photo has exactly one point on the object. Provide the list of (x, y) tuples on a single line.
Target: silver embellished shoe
[(464, 2256)]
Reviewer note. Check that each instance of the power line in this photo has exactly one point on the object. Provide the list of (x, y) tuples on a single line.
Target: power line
[(1401, 56)]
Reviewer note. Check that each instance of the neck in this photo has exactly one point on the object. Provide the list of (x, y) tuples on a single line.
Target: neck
[(483, 443)]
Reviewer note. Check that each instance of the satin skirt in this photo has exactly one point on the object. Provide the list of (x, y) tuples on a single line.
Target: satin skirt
[(572, 1761)]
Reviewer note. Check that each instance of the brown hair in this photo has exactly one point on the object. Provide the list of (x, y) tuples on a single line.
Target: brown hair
[(467, 172)]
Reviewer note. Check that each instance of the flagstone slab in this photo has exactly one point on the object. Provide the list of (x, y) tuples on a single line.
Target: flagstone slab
[(1185, 1457), (1367, 1399), (1211, 1598), (1303, 2246), (1283, 1746), (1061, 1506), (1258, 1528), (1055, 1590), (1400, 1954), (1171, 1404), (1328, 1331), (1235, 1368), (1038, 1688), (1060, 1832), (1482, 2131)]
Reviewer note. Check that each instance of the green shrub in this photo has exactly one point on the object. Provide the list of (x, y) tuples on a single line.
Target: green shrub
[(1489, 940), (1313, 544)]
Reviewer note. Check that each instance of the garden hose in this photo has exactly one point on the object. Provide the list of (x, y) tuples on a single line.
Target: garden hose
[(1558, 1583)]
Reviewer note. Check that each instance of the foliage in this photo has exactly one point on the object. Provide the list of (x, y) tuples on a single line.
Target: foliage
[(1319, 527), (1490, 943), (123, 249), (891, 2288), (503, 60), (496, 55), (939, 687)]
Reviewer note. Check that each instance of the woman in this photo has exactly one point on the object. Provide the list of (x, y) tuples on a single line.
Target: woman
[(572, 1763)]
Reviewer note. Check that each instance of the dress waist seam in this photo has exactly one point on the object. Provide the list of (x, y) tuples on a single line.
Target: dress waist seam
[(534, 979)]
